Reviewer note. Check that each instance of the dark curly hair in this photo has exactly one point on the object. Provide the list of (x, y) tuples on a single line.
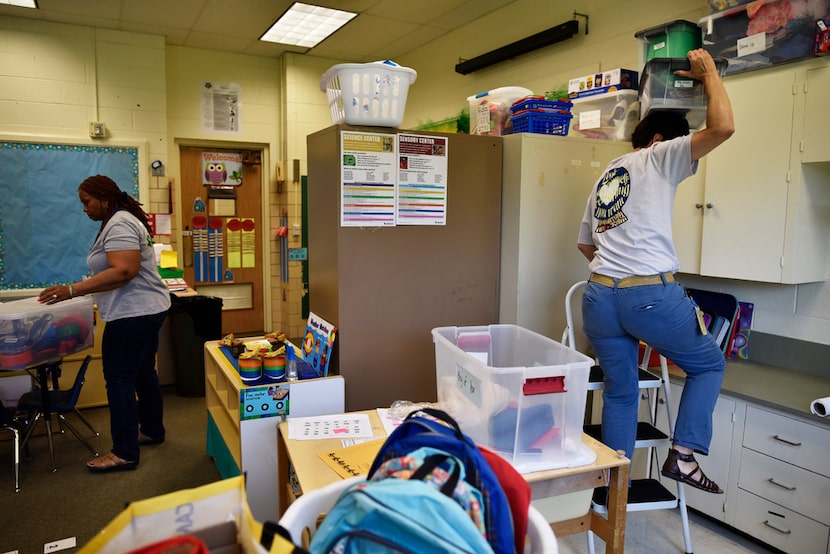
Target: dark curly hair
[(669, 123), (105, 189)]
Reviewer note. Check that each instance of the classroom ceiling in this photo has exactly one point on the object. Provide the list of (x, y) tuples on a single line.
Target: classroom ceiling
[(383, 29)]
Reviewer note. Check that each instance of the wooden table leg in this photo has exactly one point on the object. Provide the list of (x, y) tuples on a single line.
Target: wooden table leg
[(617, 501)]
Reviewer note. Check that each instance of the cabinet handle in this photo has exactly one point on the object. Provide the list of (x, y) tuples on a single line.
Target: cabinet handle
[(776, 483), (699, 206), (785, 441), (709, 205), (773, 527)]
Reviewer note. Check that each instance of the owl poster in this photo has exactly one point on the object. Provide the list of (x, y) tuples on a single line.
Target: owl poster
[(221, 169)]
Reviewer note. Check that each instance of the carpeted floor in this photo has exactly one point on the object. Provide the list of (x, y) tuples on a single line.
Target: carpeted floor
[(73, 502)]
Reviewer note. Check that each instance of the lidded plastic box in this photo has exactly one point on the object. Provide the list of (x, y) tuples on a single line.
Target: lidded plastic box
[(671, 40), (367, 93), (515, 392), (609, 116), (32, 333), (661, 89), (490, 110)]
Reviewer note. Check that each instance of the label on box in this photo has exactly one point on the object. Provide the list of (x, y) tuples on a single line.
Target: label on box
[(469, 385), (599, 83), (752, 44), (590, 120), (684, 83)]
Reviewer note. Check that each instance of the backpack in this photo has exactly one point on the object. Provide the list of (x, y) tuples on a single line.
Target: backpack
[(393, 513), (436, 429)]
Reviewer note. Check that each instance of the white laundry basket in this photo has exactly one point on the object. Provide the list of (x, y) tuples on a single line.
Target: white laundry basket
[(367, 93)]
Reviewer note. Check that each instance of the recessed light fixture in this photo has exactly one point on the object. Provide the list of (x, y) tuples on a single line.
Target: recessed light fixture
[(306, 25), (20, 3)]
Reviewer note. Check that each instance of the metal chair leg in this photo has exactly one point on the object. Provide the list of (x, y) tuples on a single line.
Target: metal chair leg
[(86, 422), (77, 435)]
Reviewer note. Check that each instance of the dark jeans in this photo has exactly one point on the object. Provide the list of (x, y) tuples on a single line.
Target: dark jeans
[(128, 352)]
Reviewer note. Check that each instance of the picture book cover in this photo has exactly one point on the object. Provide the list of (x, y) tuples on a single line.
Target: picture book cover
[(740, 346), (318, 342)]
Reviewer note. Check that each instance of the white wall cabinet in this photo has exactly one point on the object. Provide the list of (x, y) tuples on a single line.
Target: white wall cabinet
[(760, 214)]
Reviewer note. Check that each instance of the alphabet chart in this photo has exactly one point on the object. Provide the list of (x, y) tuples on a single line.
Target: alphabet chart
[(339, 426)]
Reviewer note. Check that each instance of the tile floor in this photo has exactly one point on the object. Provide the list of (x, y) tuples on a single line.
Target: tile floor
[(660, 532)]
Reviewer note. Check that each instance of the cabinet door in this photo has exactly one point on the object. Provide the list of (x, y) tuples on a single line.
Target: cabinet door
[(716, 464), (816, 147), (744, 212), (687, 223)]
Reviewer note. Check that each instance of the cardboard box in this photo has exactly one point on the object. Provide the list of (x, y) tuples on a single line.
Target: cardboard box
[(602, 82), (32, 333), (515, 392)]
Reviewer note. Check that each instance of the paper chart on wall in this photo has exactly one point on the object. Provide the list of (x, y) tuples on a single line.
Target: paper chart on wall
[(422, 180), (368, 179), (329, 427)]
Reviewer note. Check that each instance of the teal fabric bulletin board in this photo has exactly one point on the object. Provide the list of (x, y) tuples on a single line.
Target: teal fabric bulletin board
[(44, 233)]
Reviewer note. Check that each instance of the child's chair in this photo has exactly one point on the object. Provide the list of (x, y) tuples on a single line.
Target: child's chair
[(303, 515)]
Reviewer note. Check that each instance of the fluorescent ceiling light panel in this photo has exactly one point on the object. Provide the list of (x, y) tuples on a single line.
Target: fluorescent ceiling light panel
[(20, 3), (306, 25)]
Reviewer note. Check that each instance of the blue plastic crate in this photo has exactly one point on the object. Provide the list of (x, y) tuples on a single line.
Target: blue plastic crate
[(540, 121), (536, 102)]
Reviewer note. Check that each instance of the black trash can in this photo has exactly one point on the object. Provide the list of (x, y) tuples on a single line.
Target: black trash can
[(193, 321)]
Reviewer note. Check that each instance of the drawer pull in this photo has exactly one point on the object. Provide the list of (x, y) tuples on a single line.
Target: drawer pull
[(785, 441), (773, 527), (776, 483)]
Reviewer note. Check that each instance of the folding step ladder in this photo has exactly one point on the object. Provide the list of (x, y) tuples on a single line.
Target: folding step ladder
[(644, 494)]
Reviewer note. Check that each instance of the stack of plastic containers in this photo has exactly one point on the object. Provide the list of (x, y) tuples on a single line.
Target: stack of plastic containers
[(666, 52), (536, 114)]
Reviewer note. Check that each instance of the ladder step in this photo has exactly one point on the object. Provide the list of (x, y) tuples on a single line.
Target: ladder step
[(646, 379), (644, 494), (647, 434)]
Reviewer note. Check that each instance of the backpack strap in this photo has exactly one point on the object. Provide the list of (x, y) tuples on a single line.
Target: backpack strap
[(444, 417), (433, 461)]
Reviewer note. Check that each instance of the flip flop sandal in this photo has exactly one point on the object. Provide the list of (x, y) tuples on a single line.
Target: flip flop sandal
[(110, 462), (672, 471)]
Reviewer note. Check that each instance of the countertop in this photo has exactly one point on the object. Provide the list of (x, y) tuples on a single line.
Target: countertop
[(779, 388)]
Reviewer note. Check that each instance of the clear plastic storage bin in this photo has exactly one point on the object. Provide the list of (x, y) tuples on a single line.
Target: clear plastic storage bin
[(515, 392), (490, 110), (32, 333), (371, 94), (661, 89), (609, 116)]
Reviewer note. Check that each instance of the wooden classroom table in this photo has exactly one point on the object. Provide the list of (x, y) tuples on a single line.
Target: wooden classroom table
[(301, 469)]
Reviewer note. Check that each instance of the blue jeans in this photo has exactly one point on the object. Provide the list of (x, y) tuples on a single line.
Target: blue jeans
[(128, 351), (662, 316)]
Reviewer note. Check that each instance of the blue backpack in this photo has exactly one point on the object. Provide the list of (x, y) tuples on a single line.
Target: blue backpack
[(402, 511), (437, 429)]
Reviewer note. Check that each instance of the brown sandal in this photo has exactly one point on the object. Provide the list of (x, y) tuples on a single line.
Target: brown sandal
[(672, 471), (110, 462)]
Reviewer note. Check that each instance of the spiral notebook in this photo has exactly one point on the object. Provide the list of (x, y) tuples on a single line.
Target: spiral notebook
[(353, 460)]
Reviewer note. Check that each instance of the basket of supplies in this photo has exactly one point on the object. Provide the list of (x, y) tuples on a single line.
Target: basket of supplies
[(542, 121), (367, 93)]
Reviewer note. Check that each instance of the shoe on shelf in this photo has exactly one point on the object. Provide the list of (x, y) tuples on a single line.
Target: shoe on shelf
[(110, 462), (672, 471)]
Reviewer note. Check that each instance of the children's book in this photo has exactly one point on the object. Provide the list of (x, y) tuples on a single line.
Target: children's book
[(740, 345), (318, 343)]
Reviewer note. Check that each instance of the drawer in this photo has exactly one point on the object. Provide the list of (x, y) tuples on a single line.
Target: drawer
[(788, 439), (794, 488), (778, 526)]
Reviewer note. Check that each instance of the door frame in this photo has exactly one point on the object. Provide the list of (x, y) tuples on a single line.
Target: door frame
[(265, 207)]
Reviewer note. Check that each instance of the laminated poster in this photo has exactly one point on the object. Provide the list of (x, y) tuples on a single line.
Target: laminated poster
[(422, 180), (368, 178)]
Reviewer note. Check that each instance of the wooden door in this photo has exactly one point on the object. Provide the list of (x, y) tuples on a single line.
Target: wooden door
[(226, 234)]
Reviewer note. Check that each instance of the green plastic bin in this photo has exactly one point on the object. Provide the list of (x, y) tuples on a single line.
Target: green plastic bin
[(671, 40)]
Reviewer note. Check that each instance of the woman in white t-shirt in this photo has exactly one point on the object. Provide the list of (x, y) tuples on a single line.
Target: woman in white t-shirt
[(133, 301), (632, 295)]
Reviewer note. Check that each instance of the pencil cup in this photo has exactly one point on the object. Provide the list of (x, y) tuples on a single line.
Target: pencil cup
[(273, 366), (250, 366)]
